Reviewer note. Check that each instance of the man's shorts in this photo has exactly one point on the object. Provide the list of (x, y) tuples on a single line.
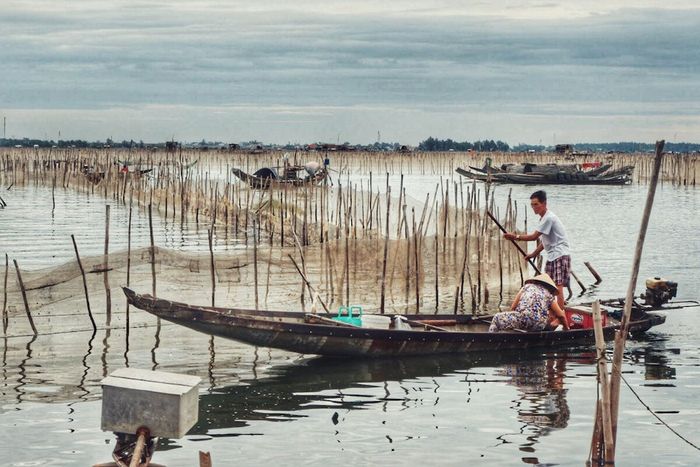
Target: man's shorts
[(559, 270)]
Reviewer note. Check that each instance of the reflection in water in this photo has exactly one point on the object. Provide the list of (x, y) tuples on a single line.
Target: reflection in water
[(156, 345), (212, 358), (654, 356), (22, 367), (105, 350), (541, 404), (321, 383), (86, 369)]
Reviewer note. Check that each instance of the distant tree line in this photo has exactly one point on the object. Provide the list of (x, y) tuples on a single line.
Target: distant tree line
[(430, 144), (72, 143), (636, 147), (434, 144)]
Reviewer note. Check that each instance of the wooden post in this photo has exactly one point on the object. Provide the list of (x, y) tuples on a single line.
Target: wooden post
[(153, 251), (598, 279), (621, 335), (204, 459), (255, 260), (416, 259), (212, 267), (386, 251), (603, 405), (128, 262), (308, 284), (580, 284), (106, 267), (4, 299), (24, 298), (140, 446)]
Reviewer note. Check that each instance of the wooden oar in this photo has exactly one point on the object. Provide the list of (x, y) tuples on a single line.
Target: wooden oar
[(532, 263), (425, 325)]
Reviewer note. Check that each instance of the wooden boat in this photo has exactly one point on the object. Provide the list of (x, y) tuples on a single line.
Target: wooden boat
[(561, 179), (320, 335), (268, 176), (554, 178)]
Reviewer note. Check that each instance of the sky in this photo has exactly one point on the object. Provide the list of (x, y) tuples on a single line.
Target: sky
[(280, 71)]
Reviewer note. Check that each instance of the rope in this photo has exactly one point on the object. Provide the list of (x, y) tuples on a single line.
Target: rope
[(656, 416)]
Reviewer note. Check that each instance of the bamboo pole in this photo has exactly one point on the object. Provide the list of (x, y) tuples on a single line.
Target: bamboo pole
[(603, 404), (255, 260), (416, 259), (580, 284), (152, 249), (386, 250), (128, 263), (108, 294), (5, 319), (621, 335), (308, 284), (212, 267), (24, 298), (598, 279), (204, 459)]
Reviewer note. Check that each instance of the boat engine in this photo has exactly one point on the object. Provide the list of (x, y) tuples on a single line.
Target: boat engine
[(659, 291)]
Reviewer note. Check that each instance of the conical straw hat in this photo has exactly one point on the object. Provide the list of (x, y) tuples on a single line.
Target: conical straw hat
[(543, 279)]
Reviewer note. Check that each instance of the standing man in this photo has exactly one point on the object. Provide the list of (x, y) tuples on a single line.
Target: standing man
[(554, 241)]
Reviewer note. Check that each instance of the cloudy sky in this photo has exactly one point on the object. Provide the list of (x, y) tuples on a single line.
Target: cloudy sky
[(300, 71)]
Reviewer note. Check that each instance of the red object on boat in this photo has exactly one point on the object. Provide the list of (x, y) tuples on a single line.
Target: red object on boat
[(590, 165), (582, 317)]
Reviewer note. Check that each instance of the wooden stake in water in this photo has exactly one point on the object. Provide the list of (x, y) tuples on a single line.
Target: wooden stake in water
[(255, 260), (603, 405), (128, 269), (108, 294), (386, 250), (212, 266), (152, 250), (24, 297), (598, 279), (621, 334), (4, 299)]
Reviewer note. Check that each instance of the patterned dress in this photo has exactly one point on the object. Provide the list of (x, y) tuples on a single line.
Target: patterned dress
[(530, 312)]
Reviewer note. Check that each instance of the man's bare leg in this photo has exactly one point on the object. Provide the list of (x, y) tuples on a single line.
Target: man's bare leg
[(560, 295)]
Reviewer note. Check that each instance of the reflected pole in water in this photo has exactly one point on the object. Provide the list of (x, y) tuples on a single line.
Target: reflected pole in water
[(105, 349), (5, 318), (21, 381), (86, 369), (210, 368)]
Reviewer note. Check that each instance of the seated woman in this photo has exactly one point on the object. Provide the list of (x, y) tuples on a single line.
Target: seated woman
[(535, 308)]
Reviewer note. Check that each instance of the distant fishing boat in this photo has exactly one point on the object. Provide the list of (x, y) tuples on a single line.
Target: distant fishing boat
[(269, 176), (549, 174), (399, 335)]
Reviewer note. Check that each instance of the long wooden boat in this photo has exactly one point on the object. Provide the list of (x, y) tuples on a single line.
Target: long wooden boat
[(268, 177), (559, 178), (319, 335)]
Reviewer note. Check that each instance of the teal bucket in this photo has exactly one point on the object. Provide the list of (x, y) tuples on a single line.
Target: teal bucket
[(350, 315)]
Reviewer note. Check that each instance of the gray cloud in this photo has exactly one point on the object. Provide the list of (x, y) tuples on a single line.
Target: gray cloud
[(621, 62)]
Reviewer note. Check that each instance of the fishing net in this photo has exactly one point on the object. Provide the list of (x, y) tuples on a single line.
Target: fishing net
[(425, 274), (354, 244)]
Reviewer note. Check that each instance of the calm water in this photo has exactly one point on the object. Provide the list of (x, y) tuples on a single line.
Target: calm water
[(266, 407)]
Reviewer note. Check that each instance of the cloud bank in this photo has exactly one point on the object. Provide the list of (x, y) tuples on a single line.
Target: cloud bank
[(522, 71)]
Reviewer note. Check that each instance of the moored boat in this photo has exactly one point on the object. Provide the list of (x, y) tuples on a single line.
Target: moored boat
[(408, 335), (268, 176), (550, 175)]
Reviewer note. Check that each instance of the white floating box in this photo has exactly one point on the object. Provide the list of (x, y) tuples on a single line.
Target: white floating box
[(166, 403)]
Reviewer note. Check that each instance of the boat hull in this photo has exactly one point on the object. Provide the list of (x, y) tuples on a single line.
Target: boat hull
[(288, 331)]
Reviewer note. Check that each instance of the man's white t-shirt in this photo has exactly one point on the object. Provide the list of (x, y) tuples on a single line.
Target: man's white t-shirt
[(553, 236)]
